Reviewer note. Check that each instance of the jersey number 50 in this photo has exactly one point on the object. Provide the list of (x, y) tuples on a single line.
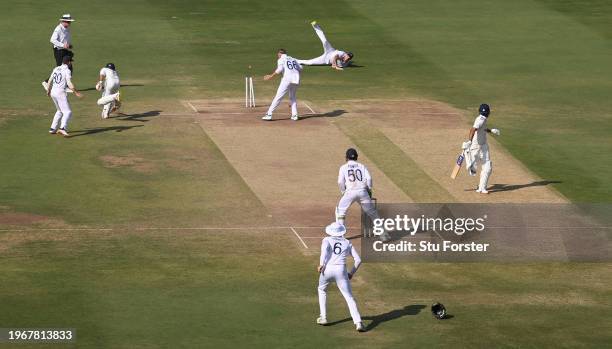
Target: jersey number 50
[(355, 175)]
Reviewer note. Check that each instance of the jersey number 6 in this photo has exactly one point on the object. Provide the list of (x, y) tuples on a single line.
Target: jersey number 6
[(337, 248)]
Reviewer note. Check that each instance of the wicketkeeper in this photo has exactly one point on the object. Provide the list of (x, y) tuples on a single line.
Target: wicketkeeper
[(355, 184)]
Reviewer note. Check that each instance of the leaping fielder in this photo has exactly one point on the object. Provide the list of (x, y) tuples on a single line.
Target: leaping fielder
[(111, 97), (477, 149), (332, 268), (59, 81), (336, 58), (355, 184), (290, 82)]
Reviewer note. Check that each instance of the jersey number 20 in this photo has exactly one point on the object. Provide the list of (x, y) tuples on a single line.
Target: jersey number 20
[(57, 78)]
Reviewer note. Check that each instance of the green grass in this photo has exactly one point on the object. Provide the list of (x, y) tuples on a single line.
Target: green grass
[(396, 164), (225, 289), (542, 65), (174, 174)]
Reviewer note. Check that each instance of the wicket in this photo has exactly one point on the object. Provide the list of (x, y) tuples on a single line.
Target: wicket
[(249, 92)]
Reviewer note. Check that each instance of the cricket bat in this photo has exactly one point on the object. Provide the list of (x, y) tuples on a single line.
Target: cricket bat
[(457, 167)]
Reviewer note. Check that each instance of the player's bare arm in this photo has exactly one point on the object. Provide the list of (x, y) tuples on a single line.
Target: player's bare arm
[(270, 76), (74, 89)]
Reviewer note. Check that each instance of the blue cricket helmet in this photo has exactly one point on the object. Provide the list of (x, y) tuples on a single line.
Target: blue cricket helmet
[(484, 110)]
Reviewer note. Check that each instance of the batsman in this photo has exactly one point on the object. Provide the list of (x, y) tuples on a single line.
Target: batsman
[(109, 84), (476, 148)]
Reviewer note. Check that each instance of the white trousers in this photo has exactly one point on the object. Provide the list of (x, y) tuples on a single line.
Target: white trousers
[(283, 88), (328, 49), (350, 196), (111, 87), (480, 155), (339, 275), (63, 111)]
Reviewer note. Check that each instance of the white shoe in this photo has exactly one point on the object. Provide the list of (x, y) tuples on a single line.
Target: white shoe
[(63, 132), (45, 85), (52, 131), (295, 117), (482, 191), (360, 327), (321, 321), (267, 117)]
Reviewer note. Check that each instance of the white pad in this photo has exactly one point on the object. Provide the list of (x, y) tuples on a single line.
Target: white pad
[(485, 173), (107, 99)]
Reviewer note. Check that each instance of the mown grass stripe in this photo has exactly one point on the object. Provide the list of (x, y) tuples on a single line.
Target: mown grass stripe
[(397, 165)]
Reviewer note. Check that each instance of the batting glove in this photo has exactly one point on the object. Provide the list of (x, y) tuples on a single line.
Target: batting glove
[(496, 131)]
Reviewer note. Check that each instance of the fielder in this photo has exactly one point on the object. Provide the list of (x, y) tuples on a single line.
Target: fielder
[(355, 184), (336, 58), (59, 81), (111, 97), (477, 150), (290, 82), (332, 267)]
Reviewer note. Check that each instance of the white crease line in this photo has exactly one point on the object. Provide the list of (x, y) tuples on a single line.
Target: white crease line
[(162, 228), (191, 106), (307, 106), (299, 237)]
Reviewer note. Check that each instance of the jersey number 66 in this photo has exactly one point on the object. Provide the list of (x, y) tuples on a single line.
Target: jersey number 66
[(292, 65)]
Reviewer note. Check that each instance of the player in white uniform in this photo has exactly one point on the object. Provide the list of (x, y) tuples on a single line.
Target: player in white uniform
[(332, 268), (59, 81), (111, 97), (290, 82), (355, 184), (477, 149), (336, 58)]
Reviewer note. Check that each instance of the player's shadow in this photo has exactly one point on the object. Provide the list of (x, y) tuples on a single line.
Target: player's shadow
[(329, 114), (91, 131), (376, 320), (142, 117), (509, 187)]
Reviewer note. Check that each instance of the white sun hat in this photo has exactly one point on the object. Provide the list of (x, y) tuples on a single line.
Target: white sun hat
[(66, 18), (335, 229)]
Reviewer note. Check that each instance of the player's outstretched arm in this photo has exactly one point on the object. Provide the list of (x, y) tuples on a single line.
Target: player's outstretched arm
[(270, 76)]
